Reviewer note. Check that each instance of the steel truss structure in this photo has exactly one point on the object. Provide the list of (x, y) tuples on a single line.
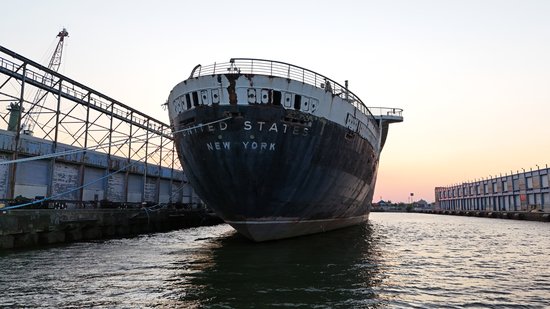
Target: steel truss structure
[(74, 114)]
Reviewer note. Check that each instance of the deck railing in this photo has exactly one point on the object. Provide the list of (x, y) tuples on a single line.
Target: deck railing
[(386, 111), (284, 70)]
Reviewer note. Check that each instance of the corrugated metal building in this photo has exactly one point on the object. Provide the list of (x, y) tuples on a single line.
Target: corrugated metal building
[(525, 191), (87, 176), (117, 153)]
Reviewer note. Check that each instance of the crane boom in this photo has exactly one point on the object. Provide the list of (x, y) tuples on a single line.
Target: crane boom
[(40, 96), (55, 61)]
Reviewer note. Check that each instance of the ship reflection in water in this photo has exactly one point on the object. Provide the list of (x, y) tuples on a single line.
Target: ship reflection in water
[(395, 260), (324, 270)]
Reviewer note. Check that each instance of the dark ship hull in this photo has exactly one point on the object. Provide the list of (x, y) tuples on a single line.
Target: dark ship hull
[(274, 172)]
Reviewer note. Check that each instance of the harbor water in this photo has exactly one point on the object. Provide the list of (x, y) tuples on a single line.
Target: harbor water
[(396, 260)]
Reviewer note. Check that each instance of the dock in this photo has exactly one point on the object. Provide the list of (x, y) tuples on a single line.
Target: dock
[(515, 215), (521, 192), (27, 228), (76, 164)]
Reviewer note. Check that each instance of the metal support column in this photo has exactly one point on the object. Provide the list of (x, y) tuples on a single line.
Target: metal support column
[(54, 144), (15, 156), (82, 167), (143, 199)]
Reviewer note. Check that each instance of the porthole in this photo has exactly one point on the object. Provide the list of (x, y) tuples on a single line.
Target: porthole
[(313, 104), (205, 97), (251, 94), (288, 100), (265, 96), (305, 104), (215, 96)]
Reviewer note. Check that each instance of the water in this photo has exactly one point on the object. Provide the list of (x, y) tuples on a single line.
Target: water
[(394, 261)]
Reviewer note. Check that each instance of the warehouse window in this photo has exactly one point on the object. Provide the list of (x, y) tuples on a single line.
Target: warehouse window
[(544, 181), (529, 181)]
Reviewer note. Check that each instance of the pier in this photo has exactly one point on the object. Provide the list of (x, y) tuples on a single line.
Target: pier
[(77, 164), (515, 215), (23, 228), (519, 195)]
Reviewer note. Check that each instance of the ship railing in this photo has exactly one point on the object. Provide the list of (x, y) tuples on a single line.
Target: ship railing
[(390, 114), (386, 111), (284, 70)]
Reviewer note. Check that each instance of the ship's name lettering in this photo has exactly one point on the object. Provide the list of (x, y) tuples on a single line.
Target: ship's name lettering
[(218, 146), (250, 145), (275, 127), (260, 126)]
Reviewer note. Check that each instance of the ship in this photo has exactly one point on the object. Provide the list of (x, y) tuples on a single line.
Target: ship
[(277, 150)]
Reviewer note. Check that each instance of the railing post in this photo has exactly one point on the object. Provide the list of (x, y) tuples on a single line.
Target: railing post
[(288, 75)]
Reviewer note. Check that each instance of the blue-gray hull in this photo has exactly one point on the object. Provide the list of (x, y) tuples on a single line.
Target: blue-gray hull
[(274, 173)]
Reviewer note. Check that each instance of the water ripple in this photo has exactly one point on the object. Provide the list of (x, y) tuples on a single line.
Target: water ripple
[(394, 261)]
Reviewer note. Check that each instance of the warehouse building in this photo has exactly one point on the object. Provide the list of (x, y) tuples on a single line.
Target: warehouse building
[(520, 191)]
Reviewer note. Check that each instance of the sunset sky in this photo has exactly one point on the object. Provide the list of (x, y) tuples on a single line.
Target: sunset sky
[(472, 76)]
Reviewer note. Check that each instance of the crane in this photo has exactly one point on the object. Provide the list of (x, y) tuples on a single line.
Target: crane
[(40, 96)]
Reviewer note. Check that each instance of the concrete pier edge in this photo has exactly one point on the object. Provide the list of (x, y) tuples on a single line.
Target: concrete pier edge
[(514, 215), (22, 228)]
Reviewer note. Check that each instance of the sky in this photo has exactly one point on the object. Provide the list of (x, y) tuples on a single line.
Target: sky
[(472, 76)]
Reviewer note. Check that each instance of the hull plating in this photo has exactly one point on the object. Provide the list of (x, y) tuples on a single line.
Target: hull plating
[(273, 173)]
